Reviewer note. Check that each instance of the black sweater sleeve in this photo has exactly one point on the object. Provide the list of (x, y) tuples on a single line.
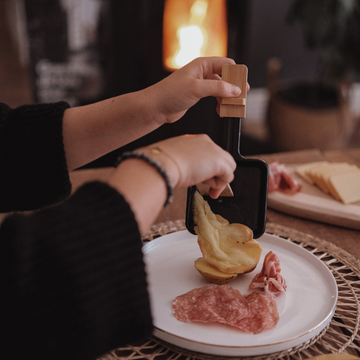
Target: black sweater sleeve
[(33, 169), (72, 279)]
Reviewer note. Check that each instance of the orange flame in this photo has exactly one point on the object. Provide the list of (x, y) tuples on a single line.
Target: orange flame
[(193, 28)]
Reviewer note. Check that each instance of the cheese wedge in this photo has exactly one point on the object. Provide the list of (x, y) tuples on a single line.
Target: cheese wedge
[(324, 173), (341, 180), (337, 171), (347, 186), (302, 170), (315, 174)]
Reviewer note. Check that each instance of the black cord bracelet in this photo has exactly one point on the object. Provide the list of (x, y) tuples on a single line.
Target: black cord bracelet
[(155, 164)]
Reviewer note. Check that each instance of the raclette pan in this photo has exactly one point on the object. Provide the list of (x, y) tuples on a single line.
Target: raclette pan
[(248, 204)]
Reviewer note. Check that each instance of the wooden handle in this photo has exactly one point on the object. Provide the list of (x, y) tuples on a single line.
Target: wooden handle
[(235, 107)]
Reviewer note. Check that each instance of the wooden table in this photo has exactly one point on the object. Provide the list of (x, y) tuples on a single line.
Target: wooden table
[(345, 238)]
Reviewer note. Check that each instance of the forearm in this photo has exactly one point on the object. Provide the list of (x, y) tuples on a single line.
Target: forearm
[(187, 160), (143, 188), (94, 130)]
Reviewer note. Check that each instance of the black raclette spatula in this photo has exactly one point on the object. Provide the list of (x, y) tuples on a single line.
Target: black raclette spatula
[(250, 185)]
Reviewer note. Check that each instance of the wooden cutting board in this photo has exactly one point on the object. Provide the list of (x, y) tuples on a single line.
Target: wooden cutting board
[(312, 203)]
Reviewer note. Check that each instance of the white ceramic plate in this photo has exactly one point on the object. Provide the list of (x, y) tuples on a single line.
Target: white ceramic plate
[(305, 310)]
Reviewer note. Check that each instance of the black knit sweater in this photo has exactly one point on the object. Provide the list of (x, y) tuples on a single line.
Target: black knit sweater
[(72, 277)]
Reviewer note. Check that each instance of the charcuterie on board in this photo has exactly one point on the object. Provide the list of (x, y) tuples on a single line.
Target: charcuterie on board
[(340, 180), (310, 201)]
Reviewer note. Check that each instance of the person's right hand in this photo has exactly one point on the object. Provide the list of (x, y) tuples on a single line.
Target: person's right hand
[(187, 159), (193, 159)]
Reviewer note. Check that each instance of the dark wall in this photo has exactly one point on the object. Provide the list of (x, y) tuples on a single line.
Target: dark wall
[(268, 35)]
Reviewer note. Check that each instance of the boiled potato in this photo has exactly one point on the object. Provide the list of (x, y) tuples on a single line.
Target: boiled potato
[(230, 248), (212, 274)]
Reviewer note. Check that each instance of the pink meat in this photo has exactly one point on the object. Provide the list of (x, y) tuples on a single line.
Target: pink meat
[(211, 303), (223, 304), (264, 313), (270, 279), (274, 176), (281, 179)]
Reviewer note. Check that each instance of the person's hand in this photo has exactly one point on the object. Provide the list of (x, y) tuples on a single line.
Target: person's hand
[(187, 159), (170, 98), (193, 159)]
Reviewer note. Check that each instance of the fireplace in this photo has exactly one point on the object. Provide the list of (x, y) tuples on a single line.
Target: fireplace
[(131, 51), (138, 39), (191, 29)]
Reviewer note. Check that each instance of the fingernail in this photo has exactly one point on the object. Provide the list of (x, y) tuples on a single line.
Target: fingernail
[(235, 90)]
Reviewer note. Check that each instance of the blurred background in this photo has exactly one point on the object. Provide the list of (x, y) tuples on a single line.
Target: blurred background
[(303, 58)]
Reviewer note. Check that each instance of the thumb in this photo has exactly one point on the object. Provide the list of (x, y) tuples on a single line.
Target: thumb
[(215, 193), (218, 88)]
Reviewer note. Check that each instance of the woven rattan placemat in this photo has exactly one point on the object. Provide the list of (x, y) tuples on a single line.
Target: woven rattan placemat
[(340, 336)]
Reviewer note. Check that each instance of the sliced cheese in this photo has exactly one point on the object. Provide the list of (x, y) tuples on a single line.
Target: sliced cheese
[(341, 180), (302, 170), (317, 173), (337, 171), (330, 170), (347, 186)]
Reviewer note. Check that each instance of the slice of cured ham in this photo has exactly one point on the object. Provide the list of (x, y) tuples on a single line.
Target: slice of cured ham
[(270, 279), (223, 304), (281, 179)]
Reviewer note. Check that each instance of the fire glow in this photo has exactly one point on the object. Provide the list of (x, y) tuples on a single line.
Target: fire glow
[(193, 28)]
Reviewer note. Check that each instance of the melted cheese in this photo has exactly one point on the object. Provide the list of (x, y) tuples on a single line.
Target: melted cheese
[(228, 247)]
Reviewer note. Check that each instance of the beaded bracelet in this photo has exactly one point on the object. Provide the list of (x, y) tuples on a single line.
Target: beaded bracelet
[(155, 164)]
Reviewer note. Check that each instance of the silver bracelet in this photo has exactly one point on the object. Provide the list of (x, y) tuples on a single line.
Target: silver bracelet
[(155, 164)]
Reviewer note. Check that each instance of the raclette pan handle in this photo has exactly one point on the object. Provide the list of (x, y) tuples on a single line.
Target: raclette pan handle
[(232, 136), (233, 109)]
